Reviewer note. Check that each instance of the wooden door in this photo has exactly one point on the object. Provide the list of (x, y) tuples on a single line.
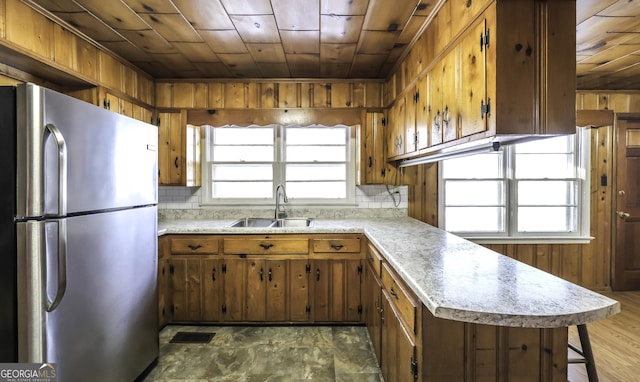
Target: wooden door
[(185, 289), (256, 293), (276, 290), (321, 292), (435, 105), (211, 282), (473, 80), (234, 288), (411, 103), (389, 358), (352, 291), (170, 151), (298, 290), (627, 219), (406, 352)]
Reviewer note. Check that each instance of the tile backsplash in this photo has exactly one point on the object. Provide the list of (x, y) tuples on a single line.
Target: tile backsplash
[(371, 201)]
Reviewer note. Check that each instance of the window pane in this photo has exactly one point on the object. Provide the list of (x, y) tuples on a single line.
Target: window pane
[(317, 190), (316, 154), (482, 193), (545, 166), (316, 135), (235, 190), (475, 219), (243, 153), (479, 166), (318, 172), (547, 219), (243, 135), (243, 172), (542, 193)]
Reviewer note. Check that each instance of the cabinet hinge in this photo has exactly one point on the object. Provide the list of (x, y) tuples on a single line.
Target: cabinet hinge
[(485, 108), (224, 308), (163, 313), (414, 368), (171, 269), (384, 122), (416, 138), (158, 121), (224, 268), (308, 308), (360, 309), (308, 268), (172, 309), (360, 269), (484, 40), (163, 271), (106, 104), (416, 97)]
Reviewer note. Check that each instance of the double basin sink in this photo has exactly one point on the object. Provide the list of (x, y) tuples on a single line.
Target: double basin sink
[(272, 223)]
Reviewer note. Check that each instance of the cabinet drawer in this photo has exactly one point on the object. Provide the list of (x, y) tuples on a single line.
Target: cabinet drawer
[(193, 244), (336, 245), (405, 304), (375, 258), (266, 246)]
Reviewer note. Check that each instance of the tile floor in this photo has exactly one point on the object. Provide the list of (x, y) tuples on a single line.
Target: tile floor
[(268, 353)]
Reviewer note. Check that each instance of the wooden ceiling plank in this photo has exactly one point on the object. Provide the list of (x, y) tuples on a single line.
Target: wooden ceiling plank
[(300, 41), (127, 50), (172, 26), (329, 70), (304, 65), (148, 40), (616, 65), (91, 26), (629, 8), (212, 69), (385, 15), (115, 14), (337, 53), (588, 8), (256, 28), (377, 42), (224, 41), (204, 14), (297, 14), (267, 53), (611, 54), (247, 7), (343, 7), (277, 70), (411, 30), (59, 5), (340, 29), (196, 51), (151, 6)]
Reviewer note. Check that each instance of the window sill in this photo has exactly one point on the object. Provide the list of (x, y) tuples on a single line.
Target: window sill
[(532, 240)]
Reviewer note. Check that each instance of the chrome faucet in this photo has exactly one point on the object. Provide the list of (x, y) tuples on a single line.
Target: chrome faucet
[(281, 191)]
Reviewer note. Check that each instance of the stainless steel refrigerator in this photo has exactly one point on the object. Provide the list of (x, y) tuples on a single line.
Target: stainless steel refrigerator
[(78, 236)]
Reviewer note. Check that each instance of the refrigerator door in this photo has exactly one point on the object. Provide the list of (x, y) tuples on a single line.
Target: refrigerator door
[(74, 155), (105, 325)]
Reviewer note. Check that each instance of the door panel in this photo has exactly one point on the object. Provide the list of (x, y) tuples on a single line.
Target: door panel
[(234, 289), (276, 308), (298, 290), (211, 290), (627, 218), (321, 290), (256, 290)]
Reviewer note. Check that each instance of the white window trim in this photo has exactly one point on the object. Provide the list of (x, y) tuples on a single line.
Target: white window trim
[(581, 236), (348, 201)]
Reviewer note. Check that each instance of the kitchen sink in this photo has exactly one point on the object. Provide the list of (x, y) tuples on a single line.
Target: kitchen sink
[(272, 223)]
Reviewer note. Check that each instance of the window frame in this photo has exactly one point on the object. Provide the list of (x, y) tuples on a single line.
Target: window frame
[(279, 168), (582, 152)]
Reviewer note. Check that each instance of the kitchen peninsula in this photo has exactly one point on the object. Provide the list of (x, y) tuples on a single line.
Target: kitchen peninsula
[(468, 310)]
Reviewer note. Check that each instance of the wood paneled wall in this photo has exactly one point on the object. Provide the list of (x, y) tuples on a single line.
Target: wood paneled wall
[(45, 52), (253, 94), (586, 264)]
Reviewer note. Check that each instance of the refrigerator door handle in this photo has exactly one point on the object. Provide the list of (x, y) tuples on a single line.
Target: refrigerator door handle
[(62, 267), (62, 167)]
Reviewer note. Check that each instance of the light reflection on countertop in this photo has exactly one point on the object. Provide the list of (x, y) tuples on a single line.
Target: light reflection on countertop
[(454, 278)]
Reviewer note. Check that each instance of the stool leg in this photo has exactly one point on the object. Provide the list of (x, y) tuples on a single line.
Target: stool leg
[(588, 353)]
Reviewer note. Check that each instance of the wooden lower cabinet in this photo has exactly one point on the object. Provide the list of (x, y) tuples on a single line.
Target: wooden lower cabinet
[(163, 281), (336, 287), (193, 286), (372, 304), (398, 360)]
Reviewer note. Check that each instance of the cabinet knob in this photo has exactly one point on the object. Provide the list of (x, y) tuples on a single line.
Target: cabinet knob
[(261, 274), (194, 247), (393, 293), (337, 247), (266, 245)]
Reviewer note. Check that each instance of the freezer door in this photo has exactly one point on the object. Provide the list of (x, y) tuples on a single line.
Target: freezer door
[(104, 327), (76, 156)]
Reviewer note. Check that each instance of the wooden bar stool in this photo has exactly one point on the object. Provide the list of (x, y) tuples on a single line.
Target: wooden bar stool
[(586, 354)]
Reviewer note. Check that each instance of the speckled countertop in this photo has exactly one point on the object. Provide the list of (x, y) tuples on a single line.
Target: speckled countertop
[(454, 278)]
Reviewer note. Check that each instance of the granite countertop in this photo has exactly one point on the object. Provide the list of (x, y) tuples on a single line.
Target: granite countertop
[(454, 278)]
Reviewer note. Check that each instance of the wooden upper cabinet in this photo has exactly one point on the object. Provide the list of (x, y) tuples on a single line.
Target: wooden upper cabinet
[(473, 95), (422, 112), (374, 168), (178, 150), (411, 103)]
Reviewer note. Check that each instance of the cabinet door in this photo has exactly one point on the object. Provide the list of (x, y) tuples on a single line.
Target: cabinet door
[(411, 102), (256, 292), (163, 300), (473, 83), (389, 358), (234, 288), (406, 352), (352, 291), (374, 166), (170, 142), (276, 289), (298, 290), (211, 290), (435, 105), (185, 289), (372, 293), (320, 274), (450, 83), (422, 113)]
